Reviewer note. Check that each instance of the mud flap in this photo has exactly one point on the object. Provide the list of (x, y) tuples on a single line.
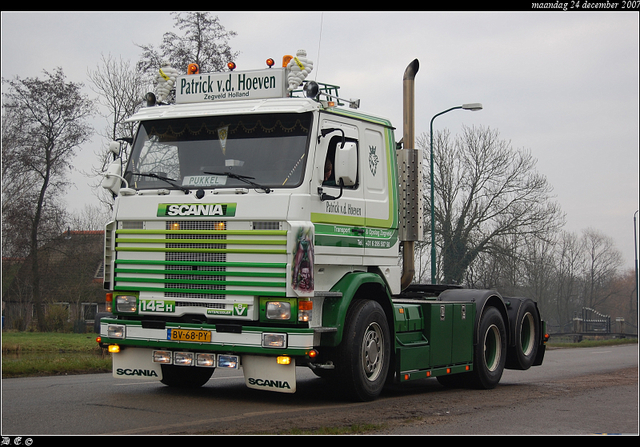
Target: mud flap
[(264, 373), (136, 363)]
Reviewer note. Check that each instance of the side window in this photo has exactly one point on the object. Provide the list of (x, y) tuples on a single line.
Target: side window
[(330, 162)]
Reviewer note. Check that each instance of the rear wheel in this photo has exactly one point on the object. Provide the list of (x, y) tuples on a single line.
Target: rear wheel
[(363, 356), (490, 351), (185, 376), (527, 333)]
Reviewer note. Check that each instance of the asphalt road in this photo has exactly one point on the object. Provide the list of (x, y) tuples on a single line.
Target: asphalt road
[(576, 391)]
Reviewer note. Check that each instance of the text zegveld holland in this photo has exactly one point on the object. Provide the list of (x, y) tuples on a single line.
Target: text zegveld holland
[(241, 82)]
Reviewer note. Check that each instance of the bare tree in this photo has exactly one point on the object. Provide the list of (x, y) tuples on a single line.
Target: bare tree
[(49, 116), (485, 190), (121, 89), (569, 262), (602, 261), (205, 42)]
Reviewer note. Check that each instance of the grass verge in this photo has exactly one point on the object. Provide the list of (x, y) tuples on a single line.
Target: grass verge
[(26, 354)]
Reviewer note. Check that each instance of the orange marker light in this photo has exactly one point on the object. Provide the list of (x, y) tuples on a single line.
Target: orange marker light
[(231, 66), (286, 59), (193, 69), (270, 62)]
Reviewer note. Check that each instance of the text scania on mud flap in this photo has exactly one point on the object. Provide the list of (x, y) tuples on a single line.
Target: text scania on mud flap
[(257, 225)]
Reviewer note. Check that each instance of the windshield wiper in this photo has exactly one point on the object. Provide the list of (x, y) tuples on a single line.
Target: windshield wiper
[(170, 181), (242, 178)]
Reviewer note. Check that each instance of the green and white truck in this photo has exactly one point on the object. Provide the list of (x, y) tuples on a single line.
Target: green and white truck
[(258, 224)]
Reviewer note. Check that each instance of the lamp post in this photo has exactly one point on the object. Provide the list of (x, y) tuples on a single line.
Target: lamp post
[(635, 248), (473, 107)]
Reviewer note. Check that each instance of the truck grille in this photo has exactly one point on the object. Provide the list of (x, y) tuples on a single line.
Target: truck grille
[(201, 264)]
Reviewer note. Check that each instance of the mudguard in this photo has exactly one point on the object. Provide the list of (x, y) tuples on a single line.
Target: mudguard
[(363, 284), (482, 299)]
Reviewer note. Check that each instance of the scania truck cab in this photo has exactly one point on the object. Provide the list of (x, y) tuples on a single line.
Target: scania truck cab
[(258, 224)]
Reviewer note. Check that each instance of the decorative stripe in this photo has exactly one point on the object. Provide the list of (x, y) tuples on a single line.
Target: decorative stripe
[(207, 291)]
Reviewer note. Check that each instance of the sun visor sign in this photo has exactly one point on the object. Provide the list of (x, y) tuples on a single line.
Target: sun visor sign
[(190, 209), (231, 86)]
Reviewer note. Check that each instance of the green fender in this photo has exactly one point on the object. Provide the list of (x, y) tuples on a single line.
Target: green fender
[(353, 285)]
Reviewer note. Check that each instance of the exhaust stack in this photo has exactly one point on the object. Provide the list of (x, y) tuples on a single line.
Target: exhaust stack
[(410, 174)]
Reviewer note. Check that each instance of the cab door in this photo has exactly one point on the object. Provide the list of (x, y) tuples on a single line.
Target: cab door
[(338, 211), (378, 177)]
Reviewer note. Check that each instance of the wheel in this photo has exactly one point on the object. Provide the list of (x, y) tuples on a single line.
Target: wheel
[(490, 351), (363, 356), (527, 333), (185, 376)]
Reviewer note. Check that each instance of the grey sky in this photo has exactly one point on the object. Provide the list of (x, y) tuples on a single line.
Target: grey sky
[(563, 85)]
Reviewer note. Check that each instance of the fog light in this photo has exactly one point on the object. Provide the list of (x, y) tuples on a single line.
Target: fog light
[(283, 360), (183, 358), (115, 331), (274, 340), (162, 356), (114, 349), (228, 361), (206, 360)]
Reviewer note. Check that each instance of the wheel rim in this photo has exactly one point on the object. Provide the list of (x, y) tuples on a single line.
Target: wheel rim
[(527, 334), (372, 351), (492, 348)]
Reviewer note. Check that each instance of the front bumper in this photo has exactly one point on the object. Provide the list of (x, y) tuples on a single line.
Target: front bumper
[(219, 338)]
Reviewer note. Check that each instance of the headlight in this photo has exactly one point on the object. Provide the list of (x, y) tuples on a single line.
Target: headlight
[(126, 303), (270, 340), (115, 331), (183, 358), (278, 310)]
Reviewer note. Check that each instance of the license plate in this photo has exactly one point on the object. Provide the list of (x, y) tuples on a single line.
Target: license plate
[(189, 335)]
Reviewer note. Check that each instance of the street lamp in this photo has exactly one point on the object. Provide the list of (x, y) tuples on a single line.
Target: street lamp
[(635, 248), (473, 107)]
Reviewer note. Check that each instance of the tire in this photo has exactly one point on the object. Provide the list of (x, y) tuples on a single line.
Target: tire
[(185, 376), (365, 352), (490, 352), (527, 338)]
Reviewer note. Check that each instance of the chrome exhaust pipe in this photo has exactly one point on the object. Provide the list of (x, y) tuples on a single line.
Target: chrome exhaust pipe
[(410, 173)]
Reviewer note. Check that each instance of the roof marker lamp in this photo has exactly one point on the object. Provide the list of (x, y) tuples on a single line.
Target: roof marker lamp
[(193, 69), (231, 66), (270, 62)]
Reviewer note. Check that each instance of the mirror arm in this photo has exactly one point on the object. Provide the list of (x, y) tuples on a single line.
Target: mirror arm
[(325, 132), (324, 196)]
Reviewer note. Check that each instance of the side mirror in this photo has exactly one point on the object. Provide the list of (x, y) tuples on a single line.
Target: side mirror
[(114, 148), (112, 178), (346, 163)]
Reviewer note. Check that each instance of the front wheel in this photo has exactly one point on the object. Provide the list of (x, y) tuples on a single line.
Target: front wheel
[(185, 376), (365, 351)]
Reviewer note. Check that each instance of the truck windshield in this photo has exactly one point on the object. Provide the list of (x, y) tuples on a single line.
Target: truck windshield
[(249, 151)]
